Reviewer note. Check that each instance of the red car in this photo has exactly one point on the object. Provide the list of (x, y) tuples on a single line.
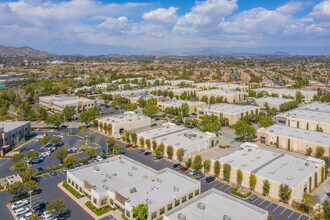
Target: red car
[(184, 169), (129, 145)]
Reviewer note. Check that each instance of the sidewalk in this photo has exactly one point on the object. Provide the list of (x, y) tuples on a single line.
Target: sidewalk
[(81, 202)]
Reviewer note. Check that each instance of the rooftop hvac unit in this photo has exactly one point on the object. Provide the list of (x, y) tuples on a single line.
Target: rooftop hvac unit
[(96, 168), (133, 190), (104, 180), (148, 201), (159, 180), (250, 149), (105, 187), (181, 216), (134, 168), (114, 174), (226, 217), (108, 176), (122, 162), (152, 180), (130, 174), (201, 206)]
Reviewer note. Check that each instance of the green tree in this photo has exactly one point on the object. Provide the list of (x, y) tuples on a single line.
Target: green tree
[(239, 177), (28, 174), (134, 137), (150, 110), (89, 115), (270, 217), (45, 139), (16, 189), (56, 139), (226, 171), (70, 160), (43, 114), (285, 192), (326, 209), (90, 152), (61, 154), (266, 187), (320, 151), (154, 145), (184, 109), (111, 143), (253, 181), (180, 153), (117, 149), (140, 211), (55, 119), (56, 207), (17, 157), (197, 163), (307, 199), (31, 154), (217, 168), (207, 165), (148, 144), (68, 112), (158, 153), (189, 162), (34, 216), (210, 123), (30, 185), (19, 166), (266, 122), (244, 130), (309, 151), (142, 141), (169, 151)]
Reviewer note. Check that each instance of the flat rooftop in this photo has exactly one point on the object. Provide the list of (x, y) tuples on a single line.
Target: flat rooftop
[(316, 106), (308, 115), (145, 96), (113, 174), (221, 92), (214, 205), (180, 137), (273, 100), (285, 90), (230, 108), (73, 101), (186, 89), (9, 126), (126, 117), (178, 103), (290, 170), (160, 190), (300, 134), (215, 84), (250, 158)]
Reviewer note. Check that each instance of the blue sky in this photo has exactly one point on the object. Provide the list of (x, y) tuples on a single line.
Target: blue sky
[(165, 24)]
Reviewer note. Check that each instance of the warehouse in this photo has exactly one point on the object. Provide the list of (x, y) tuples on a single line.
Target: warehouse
[(272, 102), (288, 93), (174, 103), (227, 95), (222, 86)]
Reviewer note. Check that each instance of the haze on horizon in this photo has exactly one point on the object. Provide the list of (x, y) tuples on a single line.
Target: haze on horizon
[(78, 25)]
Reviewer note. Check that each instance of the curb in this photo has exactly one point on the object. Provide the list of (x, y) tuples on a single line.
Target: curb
[(74, 200)]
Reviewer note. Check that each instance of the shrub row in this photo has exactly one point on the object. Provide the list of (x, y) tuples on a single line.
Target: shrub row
[(72, 190), (242, 195), (24, 196), (98, 211)]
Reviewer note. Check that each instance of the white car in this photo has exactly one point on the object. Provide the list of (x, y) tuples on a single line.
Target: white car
[(48, 216), (21, 211), (47, 153), (19, 204), (26, 216), (99, 158)]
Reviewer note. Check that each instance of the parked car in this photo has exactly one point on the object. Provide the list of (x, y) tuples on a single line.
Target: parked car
[(21, 211), (63, 169), (53, 173), (156, 158), (199, 175), (85, 163), (40, 169), (74, 166), (210, 179), (146, 153), (19, 204), (26, 216), (59, 144), (25, 160), (179, 167), (175, 165), (154, 125), (48, 216), (129, 145), (193, 172), (36, 160), (183, 169), (253, 197), (94, 160), (99, 158), (141, 150)]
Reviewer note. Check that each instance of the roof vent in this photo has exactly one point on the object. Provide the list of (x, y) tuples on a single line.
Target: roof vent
[(134, 168), (104, 180), (201, 206), (96, 168), (272, 171), (133, 190), (301, 168), (130, 174), (175, 189), (152, 180), (122, 161), (105, 187), (159, 180), (108, 176), (114, 174), (181, 216), (307, 163), (226, 217), (250, 149), (289, 178)]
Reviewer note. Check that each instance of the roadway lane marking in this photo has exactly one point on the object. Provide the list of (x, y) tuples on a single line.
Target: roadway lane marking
[(291, 214), (218, 183), (283, 211)]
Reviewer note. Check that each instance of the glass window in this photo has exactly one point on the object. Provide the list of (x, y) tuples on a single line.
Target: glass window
[(191, 195), (69, 181), (94, 200), (169, 207), (196, 192), (154, 215), (128, 214), (177, 202), (184, 199), (111, 201), (162, 211)]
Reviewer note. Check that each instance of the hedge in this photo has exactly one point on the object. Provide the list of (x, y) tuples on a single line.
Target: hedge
[(24, 196), (57, 168), (98, 211), (72, 190), (234, 191)]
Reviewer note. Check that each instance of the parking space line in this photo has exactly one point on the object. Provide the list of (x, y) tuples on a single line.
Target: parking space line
[(291, 214), (283, 211), (276, 208), (255, 200), (222, 186), (43, 176), (269, 205), (262, 202), (226, 188), (299, 216)]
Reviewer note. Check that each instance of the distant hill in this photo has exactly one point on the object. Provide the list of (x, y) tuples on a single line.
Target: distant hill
[(24, 52), (211, 52)]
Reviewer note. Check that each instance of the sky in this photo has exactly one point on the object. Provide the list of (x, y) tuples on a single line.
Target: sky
[(165, 24)]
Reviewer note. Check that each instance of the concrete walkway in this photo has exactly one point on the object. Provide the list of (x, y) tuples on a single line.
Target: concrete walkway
[(81, 202)]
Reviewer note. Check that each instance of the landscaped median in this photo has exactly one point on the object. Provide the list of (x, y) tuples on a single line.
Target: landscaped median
[(237, 191), (98, 211), (72, 190)]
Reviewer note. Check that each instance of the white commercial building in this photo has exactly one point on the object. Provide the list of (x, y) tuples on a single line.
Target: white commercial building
[(316, 106), (216, 205), (227, 95), (11, 131), (288, 93), (128, 121), (187, 90), (124, 183), (222, 86), (272, 102), (175, 103)]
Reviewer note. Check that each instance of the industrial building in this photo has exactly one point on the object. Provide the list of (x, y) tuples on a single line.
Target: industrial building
[(146, 96), (272, 102), (294, 139), (227, 95), (222, 86), (316, 106), (12, 79), (230, 111), (58, 102), (288, 93), (124, 183), (214, 205), (128, 121), (187, 90), (175, 103)]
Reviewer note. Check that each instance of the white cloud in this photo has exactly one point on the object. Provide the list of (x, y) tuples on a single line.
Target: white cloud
[(204, 16), (161, 15), (116, 25), (290, 8), (322, 11)]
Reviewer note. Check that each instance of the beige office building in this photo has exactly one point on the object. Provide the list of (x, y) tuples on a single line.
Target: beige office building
[(187, 90), (222, 86), (294, 139), (174, 103), (230, 111), (123, 183), (273, 102), (288, 93), (58, 102), (128, 121), (300, 173), (227, 95), (135, 98), (306, 119)]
